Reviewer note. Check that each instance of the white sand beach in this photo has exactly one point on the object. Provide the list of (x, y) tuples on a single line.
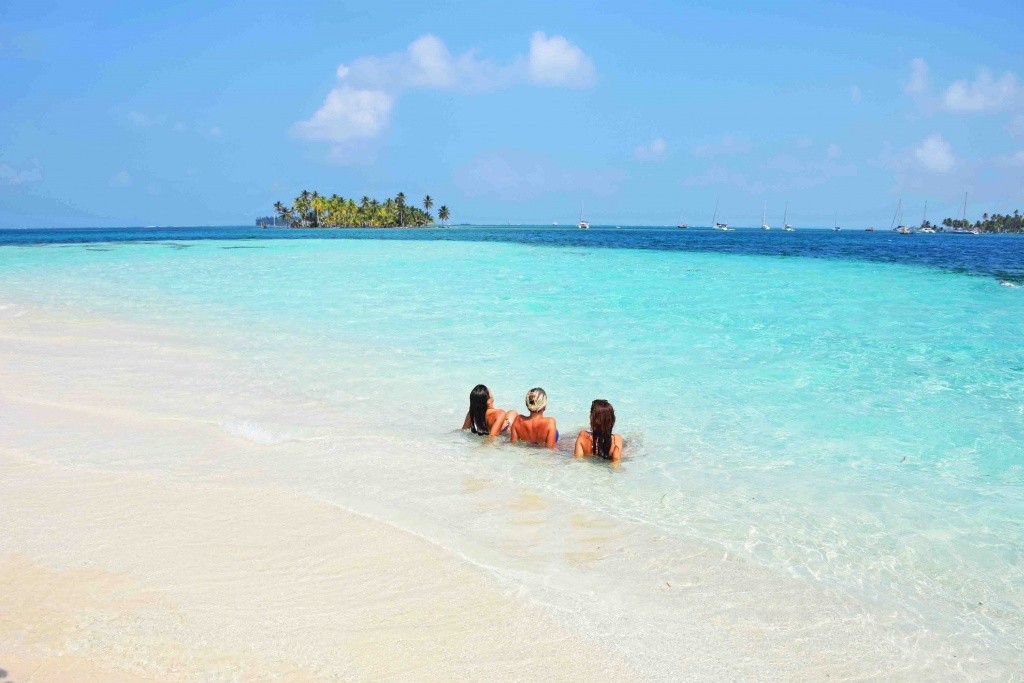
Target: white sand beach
[(216, 568)]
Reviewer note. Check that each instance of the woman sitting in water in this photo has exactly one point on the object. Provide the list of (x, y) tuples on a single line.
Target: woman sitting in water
[(599, 440), (483, 418), (536, 428)]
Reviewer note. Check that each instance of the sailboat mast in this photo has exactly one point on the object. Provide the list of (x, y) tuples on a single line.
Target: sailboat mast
[(963, 215), (924, 217), (714, 219)]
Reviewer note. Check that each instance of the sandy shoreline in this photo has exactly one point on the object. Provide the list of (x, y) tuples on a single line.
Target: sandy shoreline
[(134, 576), (209, 566), (124, 575)]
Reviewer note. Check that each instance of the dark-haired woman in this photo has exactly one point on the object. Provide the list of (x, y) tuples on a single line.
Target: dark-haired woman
[(483, 418), (600, 440)]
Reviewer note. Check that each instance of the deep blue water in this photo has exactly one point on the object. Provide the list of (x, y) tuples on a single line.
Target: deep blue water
[(998, 256)]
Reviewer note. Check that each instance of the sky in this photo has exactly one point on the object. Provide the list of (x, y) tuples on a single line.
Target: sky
[(198, 113)]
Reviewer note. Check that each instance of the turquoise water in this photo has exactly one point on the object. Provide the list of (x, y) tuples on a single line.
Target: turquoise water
[(851, 422)]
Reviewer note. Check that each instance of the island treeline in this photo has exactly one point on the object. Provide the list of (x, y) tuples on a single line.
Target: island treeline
[(997, 222), (314, 210)]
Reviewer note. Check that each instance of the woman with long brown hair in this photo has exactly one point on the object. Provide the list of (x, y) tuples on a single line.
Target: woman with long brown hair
[(600, 440)]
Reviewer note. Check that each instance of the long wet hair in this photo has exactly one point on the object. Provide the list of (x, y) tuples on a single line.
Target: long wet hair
[(478, 399), (602, 421)]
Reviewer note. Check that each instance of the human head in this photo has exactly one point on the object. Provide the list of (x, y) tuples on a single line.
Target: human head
[(602, 421), (536, 400), (479, 399)]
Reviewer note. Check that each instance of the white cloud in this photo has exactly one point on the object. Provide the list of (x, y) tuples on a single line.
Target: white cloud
[(935, 154), (855, 94), (555, 61), (24, 175), (918, 82), (358, 109), (215, 132), (120, 179), (727, 145), (180, 127), (833, 151), (510, 175), (984, 93), (651, 152), (427, 63), (347, 114)]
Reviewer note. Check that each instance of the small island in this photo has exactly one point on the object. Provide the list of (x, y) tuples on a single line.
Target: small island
[(314, 210), (996, 223)]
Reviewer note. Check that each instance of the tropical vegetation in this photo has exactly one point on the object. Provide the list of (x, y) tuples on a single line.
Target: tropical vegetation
[(314, 210), (997, 222)]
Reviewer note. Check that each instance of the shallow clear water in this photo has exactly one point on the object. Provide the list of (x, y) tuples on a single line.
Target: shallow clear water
[(828, 409)]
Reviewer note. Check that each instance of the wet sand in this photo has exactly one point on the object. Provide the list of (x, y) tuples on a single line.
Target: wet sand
[(209, 565), (113, 577)]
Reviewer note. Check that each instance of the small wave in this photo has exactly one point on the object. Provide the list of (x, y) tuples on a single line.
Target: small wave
[(255, 432)]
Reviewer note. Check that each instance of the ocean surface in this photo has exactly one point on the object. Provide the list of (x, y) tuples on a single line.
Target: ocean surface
[(842, 408)]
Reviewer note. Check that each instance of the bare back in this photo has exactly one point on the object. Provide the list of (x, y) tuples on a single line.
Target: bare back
[(585, 447), (535, 429)]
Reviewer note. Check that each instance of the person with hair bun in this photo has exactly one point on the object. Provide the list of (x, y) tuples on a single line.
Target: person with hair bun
[(483, 418), (600, 440), (536, 428)]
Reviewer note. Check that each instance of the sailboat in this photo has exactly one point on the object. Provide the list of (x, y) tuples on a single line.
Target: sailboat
[(715, 225), (964, 230), (898, 219), (764, 216), (785, 214), (835, 223), (682, 225), (582, 225), (924, 220)]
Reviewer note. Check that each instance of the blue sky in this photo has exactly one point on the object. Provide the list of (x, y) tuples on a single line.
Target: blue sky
[(187, 113)]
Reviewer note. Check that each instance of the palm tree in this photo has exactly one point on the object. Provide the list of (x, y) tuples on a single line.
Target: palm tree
[(428, 202), (351, 212), (400, 203), (302, 208), (314, 210), (442, 214), (319, 205)]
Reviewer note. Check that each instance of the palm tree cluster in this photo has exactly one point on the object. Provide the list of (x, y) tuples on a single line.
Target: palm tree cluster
[(314, 210), (997, 222)]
